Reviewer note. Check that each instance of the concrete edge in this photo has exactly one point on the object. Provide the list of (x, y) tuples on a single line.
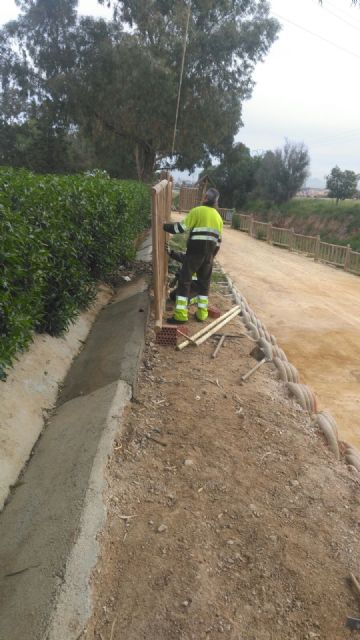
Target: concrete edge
[(36, 377), (141, 352), (74, 604)]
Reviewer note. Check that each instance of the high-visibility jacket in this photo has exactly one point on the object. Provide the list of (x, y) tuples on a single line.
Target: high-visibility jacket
[(204, 224)]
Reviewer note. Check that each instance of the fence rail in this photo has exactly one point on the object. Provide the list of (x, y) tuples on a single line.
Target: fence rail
[(244, 224), (161, 211), (226, 214), (189, 197), (305, 244), (332, 254), (281, 237), (335, 254), (259, 230), (354, 262)]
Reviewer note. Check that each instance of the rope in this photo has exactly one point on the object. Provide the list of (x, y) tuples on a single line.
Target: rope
[(181, 77)]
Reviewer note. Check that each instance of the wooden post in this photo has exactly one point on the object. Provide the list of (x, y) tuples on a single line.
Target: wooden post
[(161, 209), (156, 278), (269, 233), (251, 228), (347, 258), (291, 239), (317, 249)]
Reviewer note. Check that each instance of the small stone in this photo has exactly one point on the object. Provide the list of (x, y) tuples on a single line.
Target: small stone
[(185, 603), (188, 462), (151, 522), (162, 528), (230, 542), (294, 483), (273, 538), (197, 398)]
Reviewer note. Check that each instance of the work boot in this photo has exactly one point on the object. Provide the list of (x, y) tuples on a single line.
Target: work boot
[(175, 321)]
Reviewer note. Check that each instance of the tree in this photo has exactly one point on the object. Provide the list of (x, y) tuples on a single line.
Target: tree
[(235, 175), (114, 87), (283, 171), (226, 40), (37, 54), (342, 184)]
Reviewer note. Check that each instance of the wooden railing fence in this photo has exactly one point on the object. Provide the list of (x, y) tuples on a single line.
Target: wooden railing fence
[(226, 214), (335, 254), (161, 212), (189, 198)]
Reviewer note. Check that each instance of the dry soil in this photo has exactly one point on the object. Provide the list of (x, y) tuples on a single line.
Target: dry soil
[(314, 310), (227, 515)]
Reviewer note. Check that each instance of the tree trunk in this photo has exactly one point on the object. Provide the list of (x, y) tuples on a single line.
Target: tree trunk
[(145, 162)]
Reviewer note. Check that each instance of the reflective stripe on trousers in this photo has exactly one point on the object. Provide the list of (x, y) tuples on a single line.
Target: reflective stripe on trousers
[(202, 308), (202, 302), (181, 308)]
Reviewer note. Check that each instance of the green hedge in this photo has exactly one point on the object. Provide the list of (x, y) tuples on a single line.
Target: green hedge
[(59, 236)]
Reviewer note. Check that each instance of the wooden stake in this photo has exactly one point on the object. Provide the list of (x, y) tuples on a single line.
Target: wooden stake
[(113, 628), (212, 330), (215, 323), (218, 346), (355, 584), (229, 335), (184, 335), (249, 373)]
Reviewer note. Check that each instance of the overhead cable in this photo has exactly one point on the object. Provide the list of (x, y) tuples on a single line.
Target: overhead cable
[(316, 35)]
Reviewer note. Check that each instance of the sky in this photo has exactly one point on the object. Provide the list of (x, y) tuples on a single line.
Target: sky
[(307, 89)]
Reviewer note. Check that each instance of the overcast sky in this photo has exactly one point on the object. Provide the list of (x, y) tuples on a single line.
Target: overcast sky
[(307, 89)]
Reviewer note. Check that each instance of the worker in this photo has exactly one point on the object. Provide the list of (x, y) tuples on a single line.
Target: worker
[(205, 226), (179, 256)]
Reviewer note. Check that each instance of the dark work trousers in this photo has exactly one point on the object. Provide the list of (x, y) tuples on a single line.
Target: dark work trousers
[(199, 259)]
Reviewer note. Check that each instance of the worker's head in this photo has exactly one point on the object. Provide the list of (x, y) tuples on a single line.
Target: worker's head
[(212, 197)]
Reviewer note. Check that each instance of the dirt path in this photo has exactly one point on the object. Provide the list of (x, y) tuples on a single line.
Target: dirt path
[(228, 518), (314, 311)]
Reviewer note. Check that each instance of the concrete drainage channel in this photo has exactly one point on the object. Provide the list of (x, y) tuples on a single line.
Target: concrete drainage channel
[(302, 393), (49, 528)]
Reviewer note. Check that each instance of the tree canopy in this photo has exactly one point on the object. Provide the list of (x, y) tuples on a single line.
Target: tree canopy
[(341, 184), (282, 172), (78, 91), (235, 176), (226, 40)]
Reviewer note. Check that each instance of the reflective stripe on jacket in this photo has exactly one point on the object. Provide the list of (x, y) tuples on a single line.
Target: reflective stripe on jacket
[(204, 223)]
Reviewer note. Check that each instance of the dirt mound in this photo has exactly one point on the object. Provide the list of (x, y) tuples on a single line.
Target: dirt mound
[(228, 517)]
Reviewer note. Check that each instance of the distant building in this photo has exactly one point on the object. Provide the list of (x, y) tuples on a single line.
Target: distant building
[(312, 192)]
